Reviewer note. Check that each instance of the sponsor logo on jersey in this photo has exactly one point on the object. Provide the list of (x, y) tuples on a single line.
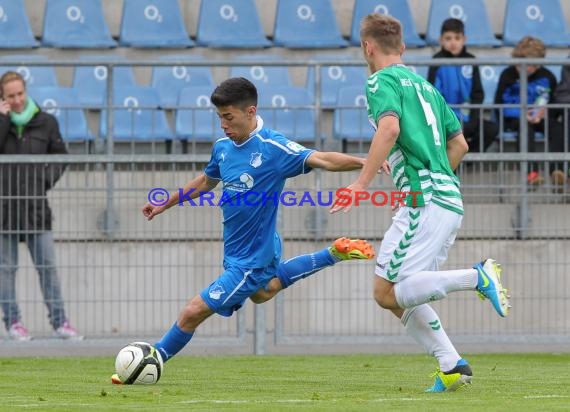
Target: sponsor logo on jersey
[(296, 147)]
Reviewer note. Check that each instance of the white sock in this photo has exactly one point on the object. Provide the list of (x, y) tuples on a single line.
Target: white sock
[(423, 324), (424, 287)]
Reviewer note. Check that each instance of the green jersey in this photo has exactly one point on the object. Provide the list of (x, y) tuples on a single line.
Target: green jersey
[(418, 160)]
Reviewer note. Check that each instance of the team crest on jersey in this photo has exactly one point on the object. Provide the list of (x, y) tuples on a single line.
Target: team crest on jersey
[(216, 292), (255, 160), (296, 147)]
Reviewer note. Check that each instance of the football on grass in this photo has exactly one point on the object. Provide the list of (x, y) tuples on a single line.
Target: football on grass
[(138, 363)]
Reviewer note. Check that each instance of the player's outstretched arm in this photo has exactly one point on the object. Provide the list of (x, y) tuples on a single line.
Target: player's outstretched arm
[(192, 189), (334, 161), (382, 142)]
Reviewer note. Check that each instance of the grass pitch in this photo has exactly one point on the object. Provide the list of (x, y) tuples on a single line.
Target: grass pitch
[(502, 382)]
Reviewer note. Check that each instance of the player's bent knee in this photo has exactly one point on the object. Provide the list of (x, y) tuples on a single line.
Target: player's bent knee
[(384, 301), (267, 293), (384, 294), (259, 297), (262, 296)]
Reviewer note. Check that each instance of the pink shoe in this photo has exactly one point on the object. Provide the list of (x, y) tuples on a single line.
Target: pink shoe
[(19, 333), (66, 331)]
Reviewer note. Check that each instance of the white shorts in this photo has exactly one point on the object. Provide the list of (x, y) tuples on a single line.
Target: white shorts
[(418, 240)]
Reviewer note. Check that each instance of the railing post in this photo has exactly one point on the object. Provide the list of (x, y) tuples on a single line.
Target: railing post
[(109, 222), (319, 216), (523, 214)]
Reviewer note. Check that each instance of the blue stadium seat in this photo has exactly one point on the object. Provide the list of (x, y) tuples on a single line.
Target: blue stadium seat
[(153, 23), (136, 116), (350, 118), (284, 108), (489, 80), (232, 24), (76, 24), (35, 76), (15, 29), (261, 75), (91, 81), (420, 69), (334, 77), (63, 103), (473, 14), (169, 80), (196, 118), (306, 24), (398, 9), (543, 19)]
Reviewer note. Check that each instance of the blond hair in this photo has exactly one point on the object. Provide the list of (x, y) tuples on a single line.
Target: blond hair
[(529, 46), (8, 77), (386, 32)]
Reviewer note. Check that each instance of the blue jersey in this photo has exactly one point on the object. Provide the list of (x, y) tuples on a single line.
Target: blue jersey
[(253, 175)]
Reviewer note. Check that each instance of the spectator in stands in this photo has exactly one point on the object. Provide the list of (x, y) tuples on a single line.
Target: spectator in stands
[(462, 85), (253, 163), (25, 213), (557, 120), (541, 84)]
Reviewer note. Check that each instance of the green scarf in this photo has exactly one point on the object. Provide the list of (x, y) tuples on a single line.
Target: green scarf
[(20, 120)]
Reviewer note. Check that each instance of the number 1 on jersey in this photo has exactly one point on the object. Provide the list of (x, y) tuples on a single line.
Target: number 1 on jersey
[(430, 116)]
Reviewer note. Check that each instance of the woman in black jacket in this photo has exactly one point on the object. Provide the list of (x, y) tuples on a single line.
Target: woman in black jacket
[(24, 210)]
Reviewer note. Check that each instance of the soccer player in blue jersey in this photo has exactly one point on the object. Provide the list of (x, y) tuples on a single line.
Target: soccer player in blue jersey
[(252, 163), (422, 139)]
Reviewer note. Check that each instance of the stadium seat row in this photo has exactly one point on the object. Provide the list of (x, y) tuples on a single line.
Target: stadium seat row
[(91, 81), (139, 110), (298, 24), (137, 115)]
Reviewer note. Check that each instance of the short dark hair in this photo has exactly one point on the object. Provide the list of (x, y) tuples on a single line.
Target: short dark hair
[(454, 25), (236, 91)]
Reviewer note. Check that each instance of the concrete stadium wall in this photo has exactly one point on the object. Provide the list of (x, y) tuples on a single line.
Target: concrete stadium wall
[(133, 289)]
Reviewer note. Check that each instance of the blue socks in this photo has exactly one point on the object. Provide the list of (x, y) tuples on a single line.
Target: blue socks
[(172, 342), (300, 267)]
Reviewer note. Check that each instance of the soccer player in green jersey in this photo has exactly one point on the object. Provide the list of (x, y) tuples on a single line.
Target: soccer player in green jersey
[(421, 139)]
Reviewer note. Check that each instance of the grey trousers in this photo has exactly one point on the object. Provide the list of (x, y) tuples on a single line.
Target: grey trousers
[(41, 247)]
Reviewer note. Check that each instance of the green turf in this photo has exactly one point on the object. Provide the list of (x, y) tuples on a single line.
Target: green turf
[(512, 382)]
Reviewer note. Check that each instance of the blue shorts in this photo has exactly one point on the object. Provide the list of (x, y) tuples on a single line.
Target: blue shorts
[(229, 291)]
